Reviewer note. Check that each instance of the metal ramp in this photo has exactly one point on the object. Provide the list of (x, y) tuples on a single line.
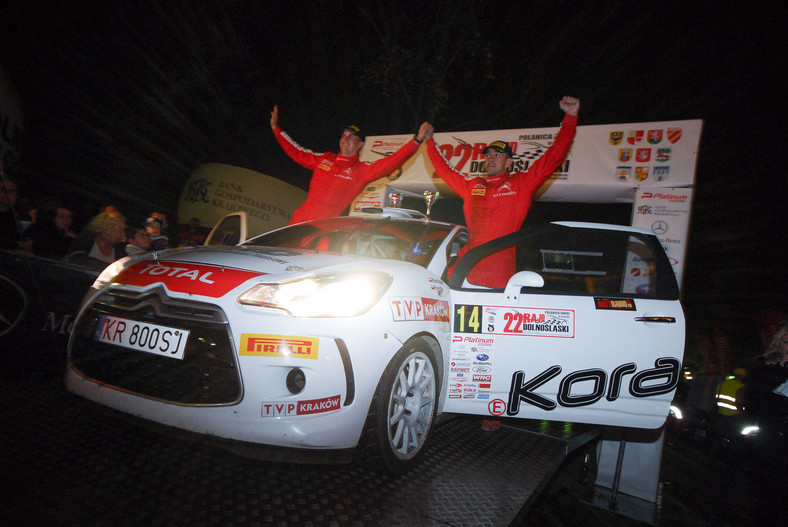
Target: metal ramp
[(66, 463)]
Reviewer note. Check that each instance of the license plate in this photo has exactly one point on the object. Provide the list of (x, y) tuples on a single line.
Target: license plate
[(141, 336)]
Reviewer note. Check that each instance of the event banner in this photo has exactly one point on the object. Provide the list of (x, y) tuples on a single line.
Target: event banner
[(605, 164)]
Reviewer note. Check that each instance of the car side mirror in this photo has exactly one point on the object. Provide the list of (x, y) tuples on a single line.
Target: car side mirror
[(231, 230), (519, 280)]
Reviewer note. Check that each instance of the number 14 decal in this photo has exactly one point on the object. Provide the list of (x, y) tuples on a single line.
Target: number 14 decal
[(467, 318)]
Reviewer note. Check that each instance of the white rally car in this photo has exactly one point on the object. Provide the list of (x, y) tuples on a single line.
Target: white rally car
[(345, 334)]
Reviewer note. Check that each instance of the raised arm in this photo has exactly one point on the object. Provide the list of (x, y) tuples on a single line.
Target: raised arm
[(570, 105), (304, 157), (443, 168), (543, 167)]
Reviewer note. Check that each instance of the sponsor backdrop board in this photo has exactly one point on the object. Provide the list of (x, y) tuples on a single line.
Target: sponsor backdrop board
[(666, 213), (214, 190), (606, 163)]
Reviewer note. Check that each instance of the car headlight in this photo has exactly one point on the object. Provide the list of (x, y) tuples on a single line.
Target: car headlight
[(110, 272), (326, 295)]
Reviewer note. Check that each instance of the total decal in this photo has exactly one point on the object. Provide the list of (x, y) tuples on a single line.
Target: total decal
[(587, 387), (205, 280), (521, 321), (408, 308), (289, 408)]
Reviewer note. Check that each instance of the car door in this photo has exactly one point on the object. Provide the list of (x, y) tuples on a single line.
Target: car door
[(589, 329)]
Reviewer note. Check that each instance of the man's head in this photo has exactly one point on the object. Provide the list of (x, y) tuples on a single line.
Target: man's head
[(153, 226), (498, 158), (162, 218), (109, 227), (64, 218), (351, 141), (138, 236)]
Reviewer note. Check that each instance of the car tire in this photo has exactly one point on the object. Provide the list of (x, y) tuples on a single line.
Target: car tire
[(402, 412)]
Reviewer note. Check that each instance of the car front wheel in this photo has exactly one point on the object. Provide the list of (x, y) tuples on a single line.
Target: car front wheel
[(402, 412)]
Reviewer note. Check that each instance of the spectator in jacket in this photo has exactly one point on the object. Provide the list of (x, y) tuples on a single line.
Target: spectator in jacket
[(101, 243)]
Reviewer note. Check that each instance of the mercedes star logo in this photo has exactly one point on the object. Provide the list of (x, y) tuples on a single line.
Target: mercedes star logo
[(659, 227)]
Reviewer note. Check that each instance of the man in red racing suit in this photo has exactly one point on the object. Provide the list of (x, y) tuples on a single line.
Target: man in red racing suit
[(338, 178), (497, 204)]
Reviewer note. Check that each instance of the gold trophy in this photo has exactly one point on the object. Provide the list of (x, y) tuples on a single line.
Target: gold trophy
[(429, 199)]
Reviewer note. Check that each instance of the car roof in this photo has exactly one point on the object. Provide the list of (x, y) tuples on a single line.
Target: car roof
[(606, 226)]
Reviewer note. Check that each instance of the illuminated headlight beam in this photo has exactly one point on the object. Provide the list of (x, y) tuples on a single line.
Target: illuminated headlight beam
[(326, 295)]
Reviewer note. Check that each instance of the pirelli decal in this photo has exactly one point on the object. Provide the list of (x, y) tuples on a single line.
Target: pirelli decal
[(616, 304), (278, 346)]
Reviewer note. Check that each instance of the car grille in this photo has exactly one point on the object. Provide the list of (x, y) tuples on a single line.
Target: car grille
[(207, 374)]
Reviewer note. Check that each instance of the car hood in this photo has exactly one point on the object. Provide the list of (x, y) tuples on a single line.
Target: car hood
[(266, 260), (214, 271)]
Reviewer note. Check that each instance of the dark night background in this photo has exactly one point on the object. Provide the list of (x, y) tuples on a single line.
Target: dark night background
[(123, 100)]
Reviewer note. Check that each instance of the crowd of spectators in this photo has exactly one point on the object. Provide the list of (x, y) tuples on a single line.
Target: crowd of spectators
[(55, 229)]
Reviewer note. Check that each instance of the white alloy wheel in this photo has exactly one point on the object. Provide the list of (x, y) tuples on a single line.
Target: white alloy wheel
[(402, 412), (411, 406)]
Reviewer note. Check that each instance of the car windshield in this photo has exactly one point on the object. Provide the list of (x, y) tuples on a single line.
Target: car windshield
[(412, 241)]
